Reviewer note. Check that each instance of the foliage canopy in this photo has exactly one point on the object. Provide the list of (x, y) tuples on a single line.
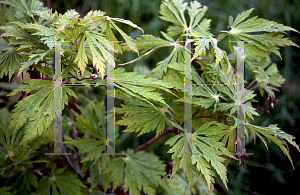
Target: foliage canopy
[(150, 103)]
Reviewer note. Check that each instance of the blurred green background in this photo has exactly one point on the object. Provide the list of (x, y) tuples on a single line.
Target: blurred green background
[(268, 171)]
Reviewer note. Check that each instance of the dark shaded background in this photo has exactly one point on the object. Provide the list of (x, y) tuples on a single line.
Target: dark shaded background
[(268, 171)]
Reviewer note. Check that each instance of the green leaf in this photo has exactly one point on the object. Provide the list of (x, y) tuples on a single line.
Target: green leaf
[(177, 55), (147, 44), (267, 35), (143, 118), (28, 179), (81, 57), (274, 134), (127, 38), (19, 5), (169, 12), (140, 171), (9, 61), (128, 22), (5, 190), (196, 12), (206, 152), (66, 182), (98, 60), (37, 108), (241, 17), (93, 147), (111, 37), (41, 30), (140, 87)]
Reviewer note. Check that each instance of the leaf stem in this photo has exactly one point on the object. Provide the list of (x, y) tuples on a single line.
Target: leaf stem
[(272, 88), (216, 117), (196, 112), (167, 110), (77, 79), (199, 58), (100, 23)]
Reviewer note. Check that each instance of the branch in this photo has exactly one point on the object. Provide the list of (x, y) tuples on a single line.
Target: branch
[(170, 129)]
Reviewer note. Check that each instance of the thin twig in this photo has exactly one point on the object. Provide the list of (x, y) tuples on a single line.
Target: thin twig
[(251, 83), (170, 129)]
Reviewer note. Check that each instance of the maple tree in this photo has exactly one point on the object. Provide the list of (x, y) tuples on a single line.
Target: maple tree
[(149, 103)]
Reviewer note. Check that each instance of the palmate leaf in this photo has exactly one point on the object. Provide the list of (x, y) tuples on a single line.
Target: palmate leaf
[(268, 75), (96, 43), (85, 144), (147, 44), (173, 11), (5, 190), (19, 5), (37, 108), (66, 182), (110, 36), (143, 118), (28, 179), (97, 40), (81, 57), (20, 36), (232, 105), (196, 12), (91, 122), (127, 38), (203, 38), (140, 171), (205, 152), (41, 30), (260, 44), (9, 61), (274, 134), (141, 87), (179, 186), (177, 55)]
